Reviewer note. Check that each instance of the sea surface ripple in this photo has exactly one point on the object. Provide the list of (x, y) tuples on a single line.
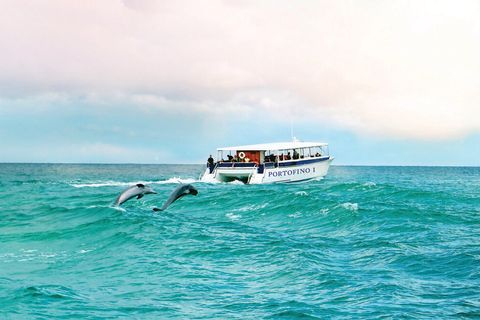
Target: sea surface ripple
[(365, 242)]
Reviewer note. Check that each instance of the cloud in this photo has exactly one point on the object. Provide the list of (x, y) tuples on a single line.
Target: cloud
[(85, 152), (406, 69)]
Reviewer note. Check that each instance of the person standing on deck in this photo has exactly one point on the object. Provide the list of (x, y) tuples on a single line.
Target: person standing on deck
[(211, 164)]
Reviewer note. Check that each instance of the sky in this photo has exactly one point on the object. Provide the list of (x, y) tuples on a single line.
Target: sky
[(383, 82)]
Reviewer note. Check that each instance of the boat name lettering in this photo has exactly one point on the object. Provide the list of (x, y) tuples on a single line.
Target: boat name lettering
[(289, 172)]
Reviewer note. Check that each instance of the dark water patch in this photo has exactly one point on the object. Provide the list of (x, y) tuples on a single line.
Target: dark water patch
[(46, 292), (292, 315)]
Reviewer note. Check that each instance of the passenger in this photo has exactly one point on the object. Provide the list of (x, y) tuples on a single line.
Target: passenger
[(318, 154), (211, 164), (288, 157), (296, 155), (230, 158), (281, 157)]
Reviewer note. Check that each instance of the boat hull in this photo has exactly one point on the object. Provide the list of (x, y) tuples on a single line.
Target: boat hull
[(283, 172)]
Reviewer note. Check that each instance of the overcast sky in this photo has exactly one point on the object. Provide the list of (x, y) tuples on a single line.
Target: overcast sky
[(384, 82)]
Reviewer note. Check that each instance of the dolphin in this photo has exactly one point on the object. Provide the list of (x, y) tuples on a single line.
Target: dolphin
[(138, 190), (180, 191)]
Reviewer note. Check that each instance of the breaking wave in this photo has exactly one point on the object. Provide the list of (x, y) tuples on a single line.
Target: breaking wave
[(173, 180)]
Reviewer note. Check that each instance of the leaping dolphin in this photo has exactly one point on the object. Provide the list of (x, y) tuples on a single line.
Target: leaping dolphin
[(138, 190), (180, 191)]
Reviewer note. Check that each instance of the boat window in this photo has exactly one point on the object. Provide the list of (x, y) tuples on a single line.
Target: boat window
[(270, 156), (325, 151)]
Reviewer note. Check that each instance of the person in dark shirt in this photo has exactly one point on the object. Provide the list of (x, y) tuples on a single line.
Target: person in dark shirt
[(211, 163), (296, 155)]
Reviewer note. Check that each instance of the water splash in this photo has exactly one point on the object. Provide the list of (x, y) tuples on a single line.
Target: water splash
[(350, 206)]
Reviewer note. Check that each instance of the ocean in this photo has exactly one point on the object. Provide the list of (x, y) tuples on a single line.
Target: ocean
[(362, 243)]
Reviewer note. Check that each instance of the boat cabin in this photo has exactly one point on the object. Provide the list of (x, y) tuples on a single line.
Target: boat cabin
[(272, 152)]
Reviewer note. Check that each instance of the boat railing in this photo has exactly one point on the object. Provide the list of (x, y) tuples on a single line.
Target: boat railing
[(292, 162), (270, 164), (312, 157), (236, 165), (265, 165)]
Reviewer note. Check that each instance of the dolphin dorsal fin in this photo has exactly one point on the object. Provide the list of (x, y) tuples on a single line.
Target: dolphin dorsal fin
[(140, 185)]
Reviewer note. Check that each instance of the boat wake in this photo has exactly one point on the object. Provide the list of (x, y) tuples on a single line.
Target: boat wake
[(124, 184)]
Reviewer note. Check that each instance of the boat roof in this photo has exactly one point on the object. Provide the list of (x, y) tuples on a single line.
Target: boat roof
[(275, 146)]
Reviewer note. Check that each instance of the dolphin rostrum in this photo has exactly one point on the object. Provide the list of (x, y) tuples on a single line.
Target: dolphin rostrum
[(180, 191), (138, 190)]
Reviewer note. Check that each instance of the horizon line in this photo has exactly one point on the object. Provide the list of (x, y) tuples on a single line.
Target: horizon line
[(185, 164)]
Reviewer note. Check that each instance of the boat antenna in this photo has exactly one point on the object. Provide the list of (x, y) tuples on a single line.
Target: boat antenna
[(294, 139), (291, 129)]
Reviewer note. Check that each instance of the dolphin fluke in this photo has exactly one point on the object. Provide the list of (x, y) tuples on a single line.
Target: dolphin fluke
[(180, 191)]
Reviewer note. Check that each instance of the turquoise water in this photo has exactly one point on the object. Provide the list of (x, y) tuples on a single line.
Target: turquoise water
[(365, 242)]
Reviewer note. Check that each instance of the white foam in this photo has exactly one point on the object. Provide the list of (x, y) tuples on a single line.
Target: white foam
[(369, 184), (350, 206), (236, 182), (251, 207), (175, 180), (301, 193), (233, 216), (28, 250), (295, 215), (324, 211), (100, 184), (131, 183)]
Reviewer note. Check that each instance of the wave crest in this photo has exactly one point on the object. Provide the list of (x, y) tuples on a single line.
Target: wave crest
[(350, 206), (131, 183)]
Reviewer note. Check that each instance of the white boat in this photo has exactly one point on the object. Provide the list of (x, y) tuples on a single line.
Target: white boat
[(269, 163)]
